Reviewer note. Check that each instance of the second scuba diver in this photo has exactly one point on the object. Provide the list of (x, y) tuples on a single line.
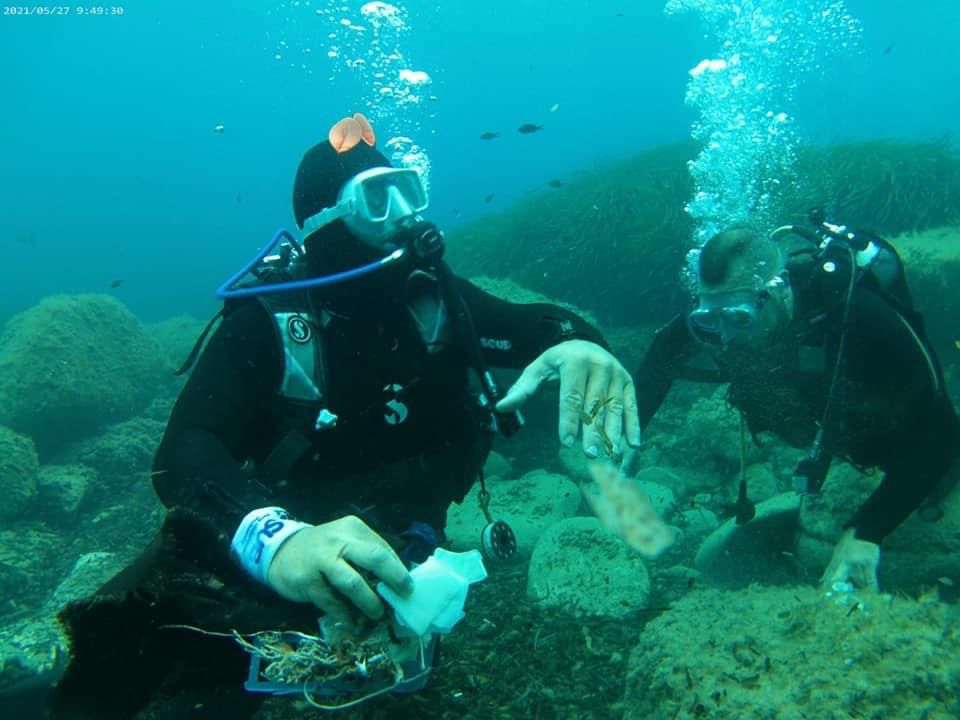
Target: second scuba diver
[(822, 347)]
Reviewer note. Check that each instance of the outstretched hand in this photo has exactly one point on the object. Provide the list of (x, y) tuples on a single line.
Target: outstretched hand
[(597, 398)]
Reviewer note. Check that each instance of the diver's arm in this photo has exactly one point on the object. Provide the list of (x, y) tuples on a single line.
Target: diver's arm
[(512, 335), (216, 424), (896, 366), (661, 365), (924, 458)]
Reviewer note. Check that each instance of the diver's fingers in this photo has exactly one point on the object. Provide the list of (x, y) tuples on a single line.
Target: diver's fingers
[(631, 416), (595, 396), (573, 386), (526, 386), (349, 582), (613, 415), (380, 559), (319, 593), (366, 131)]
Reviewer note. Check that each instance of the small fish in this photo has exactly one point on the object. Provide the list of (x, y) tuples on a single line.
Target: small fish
[(489, 135), (528, 128), (115, 283), (30, 239), (456, 212), (488, 198), (945, 581), (555, 183), (239, 198), (554, 107), (888, 50), (218, 129)]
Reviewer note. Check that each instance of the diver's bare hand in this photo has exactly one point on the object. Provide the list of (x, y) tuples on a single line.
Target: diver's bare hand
[(853, 561), (317, 560), (596, 396)]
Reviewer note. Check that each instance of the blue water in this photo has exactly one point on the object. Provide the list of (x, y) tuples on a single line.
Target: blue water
[(112, 171)]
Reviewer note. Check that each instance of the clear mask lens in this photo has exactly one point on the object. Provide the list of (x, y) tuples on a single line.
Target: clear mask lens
[(394, 193), (716, 323)]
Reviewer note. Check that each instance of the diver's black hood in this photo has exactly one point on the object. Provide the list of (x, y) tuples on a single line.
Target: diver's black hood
[(322, 173), (320, 176)]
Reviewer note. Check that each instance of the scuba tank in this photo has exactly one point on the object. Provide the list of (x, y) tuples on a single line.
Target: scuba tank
[(874, 261)]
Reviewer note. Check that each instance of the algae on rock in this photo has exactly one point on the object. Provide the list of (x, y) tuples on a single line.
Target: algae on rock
[(792, 653)]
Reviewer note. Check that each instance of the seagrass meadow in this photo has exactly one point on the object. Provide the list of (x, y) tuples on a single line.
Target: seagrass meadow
[(613, 240)]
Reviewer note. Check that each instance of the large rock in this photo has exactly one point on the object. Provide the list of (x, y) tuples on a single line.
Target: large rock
[(32, 562), (18, 473), (762, 483), (575, 463), (122, 454), (759, 550), (497, 466), (72, 364), (62, 488), (793, 654), (580, 567), (711, 440), (660, 484), (529, 505)]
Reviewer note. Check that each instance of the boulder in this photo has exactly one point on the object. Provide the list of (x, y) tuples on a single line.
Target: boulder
[(122, 454), (34, 650), (62, 488), (582, 568), (658, 483), (18, 473), (791, 653), (759, 550), (497, 466), (72, 364)]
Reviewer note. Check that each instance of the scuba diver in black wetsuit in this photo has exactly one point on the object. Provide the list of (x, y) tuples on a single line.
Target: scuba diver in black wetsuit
[(821, 346), (339, 408)]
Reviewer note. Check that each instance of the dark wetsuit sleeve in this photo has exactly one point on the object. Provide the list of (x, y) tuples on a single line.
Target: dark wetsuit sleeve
[(923, 441), (219, 421), (512, 335), (929, 451), (661, 365)]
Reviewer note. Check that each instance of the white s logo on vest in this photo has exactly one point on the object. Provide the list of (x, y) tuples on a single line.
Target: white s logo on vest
[(395, 412)]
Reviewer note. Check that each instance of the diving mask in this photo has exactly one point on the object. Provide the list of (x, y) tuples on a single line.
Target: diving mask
[(720, 318), (724, 318), (375, 204)]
